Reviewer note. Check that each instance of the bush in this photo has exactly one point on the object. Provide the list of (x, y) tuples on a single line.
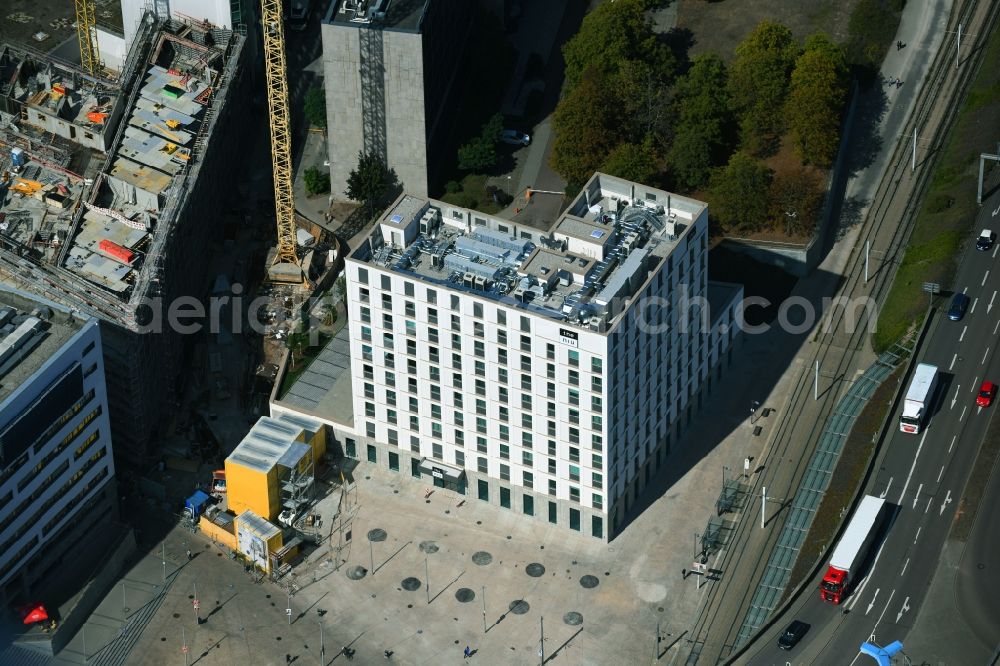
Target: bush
[(315, 107), (452, 186), (317, 182)]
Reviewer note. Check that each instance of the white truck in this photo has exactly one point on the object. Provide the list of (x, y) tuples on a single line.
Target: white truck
[(917, 403), (851, 550)]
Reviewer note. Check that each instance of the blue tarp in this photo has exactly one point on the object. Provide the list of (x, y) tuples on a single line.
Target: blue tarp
[(196, 502)]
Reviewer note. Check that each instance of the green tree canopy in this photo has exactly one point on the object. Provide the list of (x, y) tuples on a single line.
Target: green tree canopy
[(586, 128), (612, 34), (796, 197), (738, 193), (315, 107), (758, 80), (480, 154), (703, 134), (317, 182), (369, 181), (635, 162), (816, 99)]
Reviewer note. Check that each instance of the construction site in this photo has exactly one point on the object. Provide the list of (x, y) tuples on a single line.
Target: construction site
[(113, 189)]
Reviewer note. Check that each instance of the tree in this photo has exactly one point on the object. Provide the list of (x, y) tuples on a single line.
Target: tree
[(315, 107), (738, 194), (703, 135), (796, 197), (317, 182), (370, 181), (612, 34), (635, 162), (480, 154), (758, 81), (816, 99), (586, 128)]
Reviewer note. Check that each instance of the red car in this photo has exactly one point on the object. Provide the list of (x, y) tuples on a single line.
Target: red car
[(986, 393)]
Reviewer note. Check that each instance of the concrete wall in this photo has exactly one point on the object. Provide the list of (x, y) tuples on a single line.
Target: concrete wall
[(215, 12), (799, 260), (341, 64), (405, 110), (112, 48)]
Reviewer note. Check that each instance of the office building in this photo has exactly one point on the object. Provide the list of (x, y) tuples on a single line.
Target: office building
[(390, 70), (548, 372), (56, 472)]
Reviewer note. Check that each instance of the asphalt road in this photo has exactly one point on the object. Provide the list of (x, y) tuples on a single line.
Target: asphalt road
[(923, 476)]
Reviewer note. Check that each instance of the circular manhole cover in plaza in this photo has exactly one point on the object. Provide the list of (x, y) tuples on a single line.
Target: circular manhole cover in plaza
[(377, 534), (482, 558), (573, 619), (589, 582), (464, 595), (411, 584), (535, 570), (429, 547), (519, 607), (357, 572)]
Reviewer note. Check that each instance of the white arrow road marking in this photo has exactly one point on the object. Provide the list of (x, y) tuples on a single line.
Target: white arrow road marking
[(872, 604), (953, 359), (919, 447), (955, 399), (964, 329), (973, 308), (856, 595), (886, 491), (904, 566), (945, 503), (916, 497), (992, 298), (996, 211), (906, 607), (939, 474), (953, 438), (918, 534), (983, 284)]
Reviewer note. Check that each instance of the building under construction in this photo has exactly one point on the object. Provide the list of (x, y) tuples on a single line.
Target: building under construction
[(112, 192)]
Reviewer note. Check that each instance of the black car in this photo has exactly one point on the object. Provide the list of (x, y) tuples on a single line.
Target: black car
[(792, 635), (959, 304), (985, 240)]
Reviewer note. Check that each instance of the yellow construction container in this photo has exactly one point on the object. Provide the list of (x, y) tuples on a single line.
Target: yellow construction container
[(251, 489)]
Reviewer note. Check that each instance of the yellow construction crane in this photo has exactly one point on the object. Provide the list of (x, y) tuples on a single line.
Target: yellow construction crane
[(86, 32), (286, 266)]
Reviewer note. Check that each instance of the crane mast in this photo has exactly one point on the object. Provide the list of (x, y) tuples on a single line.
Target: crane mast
[(281, 144), (86, 32)]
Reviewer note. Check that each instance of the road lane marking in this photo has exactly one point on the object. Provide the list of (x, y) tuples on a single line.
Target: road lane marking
[(992, 298), (955, 399), (984, 279), (918, 534), (928, 507), (906, 607), (973, 308), (856, 595), (872, 604), (964, 329), (996, 248), (908, 476), (886, 491), (997, 326), (965, 290), (945, 503), (940, 474), (953, 359), (975, 383), (953, 438), (995, 214), (964, 409), (916, 498), (985, 355), (904, 568)]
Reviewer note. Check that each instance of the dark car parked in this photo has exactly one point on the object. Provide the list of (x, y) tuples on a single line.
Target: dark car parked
[(959, 304), (792, 635)]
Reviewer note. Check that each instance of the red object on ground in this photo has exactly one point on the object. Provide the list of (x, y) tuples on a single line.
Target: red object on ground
[(117, 251), (33, 613), (986, 393)]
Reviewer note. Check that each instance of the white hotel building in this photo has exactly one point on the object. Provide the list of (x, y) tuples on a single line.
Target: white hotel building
[(544, 371), (56, 471)]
